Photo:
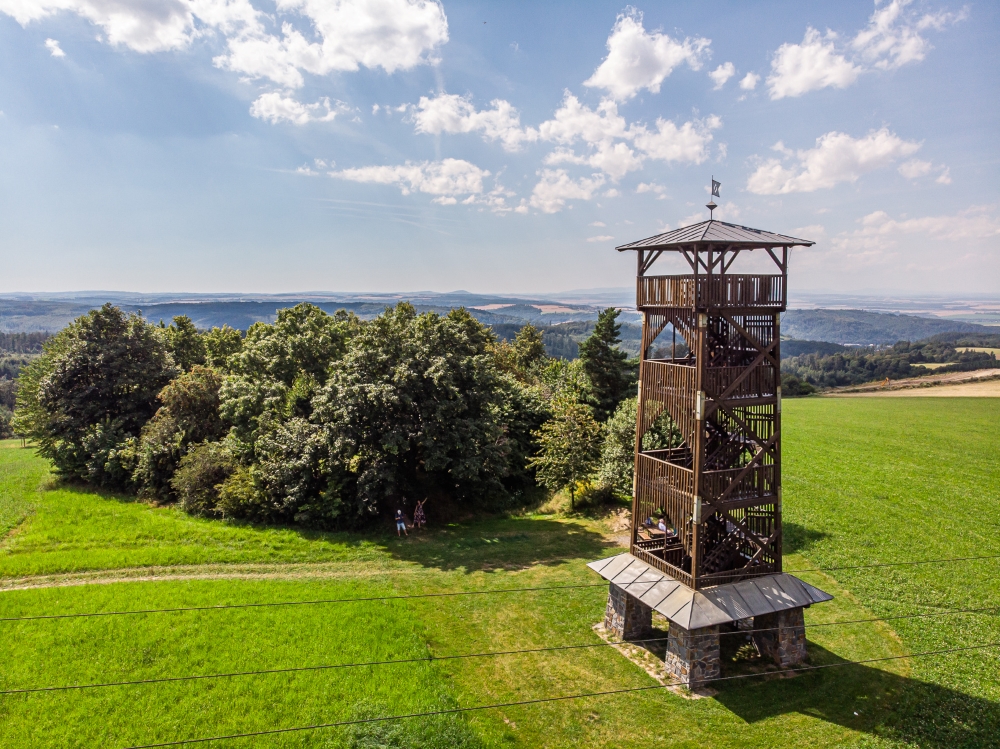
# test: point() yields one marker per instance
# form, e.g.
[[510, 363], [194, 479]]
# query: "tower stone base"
[[692, 656], [781, 636], [626, 616]]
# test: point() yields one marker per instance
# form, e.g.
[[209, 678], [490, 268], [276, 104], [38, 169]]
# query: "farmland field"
[[867, 480]]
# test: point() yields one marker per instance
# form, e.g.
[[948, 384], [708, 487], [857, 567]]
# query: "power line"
[[541, 700], [892, 564], [460, 656], [220, 607], [297, 603]]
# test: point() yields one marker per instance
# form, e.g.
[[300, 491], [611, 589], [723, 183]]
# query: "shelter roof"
[[720, 604], [715, 232]]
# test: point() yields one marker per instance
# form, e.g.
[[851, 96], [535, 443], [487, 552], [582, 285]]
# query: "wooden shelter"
[[716, 488]]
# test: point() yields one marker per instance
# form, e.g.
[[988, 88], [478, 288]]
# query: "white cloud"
[[687, 143], [599, 128], [142, 25], [52, 45], [836, 158], [722, 74], [639, 60], [915, 168], [892, 38], [450, 113], [600, 238], [574, 120], [799, 68], [612, 193], [880, 232], [275, 107], [749, 82], [556, 187], [945, 177], [446, 179], [388, 34], [659, 190], [597, 223], [614, 160]]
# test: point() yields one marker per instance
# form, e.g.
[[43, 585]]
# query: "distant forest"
[[853, 366], [862, 328]]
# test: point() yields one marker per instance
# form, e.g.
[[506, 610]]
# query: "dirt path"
[[290, 571]]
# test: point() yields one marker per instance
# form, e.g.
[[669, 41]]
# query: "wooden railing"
[[712, 291], [662, 486], [757, 484], [761, 382]]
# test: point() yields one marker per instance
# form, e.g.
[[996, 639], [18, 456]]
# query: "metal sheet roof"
[[719, 604], [715, 232]]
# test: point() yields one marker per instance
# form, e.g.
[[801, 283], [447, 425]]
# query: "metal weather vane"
[[711, 206]]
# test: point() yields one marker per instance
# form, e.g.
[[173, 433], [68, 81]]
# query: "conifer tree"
[[612, 378]]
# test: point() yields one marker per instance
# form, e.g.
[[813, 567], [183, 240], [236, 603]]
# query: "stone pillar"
[[781, 636], [692, 656], [626, 616]]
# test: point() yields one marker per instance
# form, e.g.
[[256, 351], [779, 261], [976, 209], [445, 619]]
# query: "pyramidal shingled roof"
[[715, 232], [720, 604]]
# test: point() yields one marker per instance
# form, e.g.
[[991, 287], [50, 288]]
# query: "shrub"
[[793, 387], [200, 476], [189, 414]]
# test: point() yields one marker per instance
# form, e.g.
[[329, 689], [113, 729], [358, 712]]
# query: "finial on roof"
[[710, 205]]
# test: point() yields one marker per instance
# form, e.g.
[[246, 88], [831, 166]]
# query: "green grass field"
[[866, 480]]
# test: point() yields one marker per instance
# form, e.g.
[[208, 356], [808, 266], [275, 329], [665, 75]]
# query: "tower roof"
[[715, 232]]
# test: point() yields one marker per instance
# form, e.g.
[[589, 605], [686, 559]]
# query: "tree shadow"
[[498, 544], [865, 698], [797, 538]]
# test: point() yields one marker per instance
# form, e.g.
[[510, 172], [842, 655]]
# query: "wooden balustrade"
[[760, 382], [735, 290], [664, 486], [757, 484]]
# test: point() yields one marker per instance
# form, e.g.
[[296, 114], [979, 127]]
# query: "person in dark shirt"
[[401, 523]]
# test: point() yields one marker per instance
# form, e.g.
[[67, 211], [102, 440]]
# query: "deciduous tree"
[[569, 446]]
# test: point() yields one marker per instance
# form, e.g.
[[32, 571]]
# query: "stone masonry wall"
[[627, 617], [692, 656], [781, 636]]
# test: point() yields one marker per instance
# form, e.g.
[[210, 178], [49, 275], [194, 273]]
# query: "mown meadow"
[[866, 481]]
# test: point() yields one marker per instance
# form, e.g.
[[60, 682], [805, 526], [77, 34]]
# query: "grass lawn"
[[866, 480]]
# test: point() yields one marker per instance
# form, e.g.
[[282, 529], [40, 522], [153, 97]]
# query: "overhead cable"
[[540, 700], [432, 658]]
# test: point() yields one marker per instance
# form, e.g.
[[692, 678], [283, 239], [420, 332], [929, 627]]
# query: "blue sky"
[[241, 145]]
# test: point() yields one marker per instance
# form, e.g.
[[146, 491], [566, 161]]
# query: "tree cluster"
[[860, 365], [316, 419]]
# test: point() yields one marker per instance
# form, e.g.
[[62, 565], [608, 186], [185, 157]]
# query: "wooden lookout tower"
[[705, 546]]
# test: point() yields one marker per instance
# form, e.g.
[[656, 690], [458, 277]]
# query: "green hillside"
[[866, 481]]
